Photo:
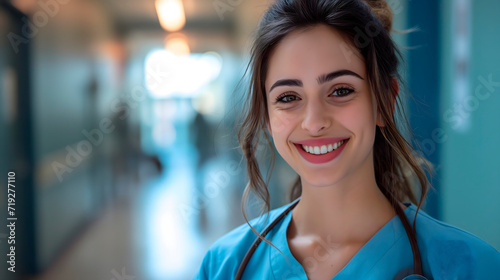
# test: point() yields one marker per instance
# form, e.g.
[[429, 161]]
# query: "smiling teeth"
[[321, 150]]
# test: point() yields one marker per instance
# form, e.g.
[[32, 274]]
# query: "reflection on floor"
[[160, 230], [105, 248]]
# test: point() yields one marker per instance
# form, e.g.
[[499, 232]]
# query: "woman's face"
[[322, 113]]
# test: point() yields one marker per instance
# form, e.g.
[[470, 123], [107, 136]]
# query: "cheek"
[[350, 118], [360, 119], [281, 123]]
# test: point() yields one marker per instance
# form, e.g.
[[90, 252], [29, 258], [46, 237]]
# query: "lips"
[[321, 150]]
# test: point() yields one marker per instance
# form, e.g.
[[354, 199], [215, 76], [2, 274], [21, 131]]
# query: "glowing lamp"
[[171, 14], [177, 44]]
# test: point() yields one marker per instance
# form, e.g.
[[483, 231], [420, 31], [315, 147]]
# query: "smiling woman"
[[322, 109], [327, 100]]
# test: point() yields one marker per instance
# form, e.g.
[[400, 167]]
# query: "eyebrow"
[[335, 74], [321, 79]]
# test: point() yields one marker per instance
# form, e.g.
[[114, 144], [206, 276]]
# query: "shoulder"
[[226, 253], [445, 248]]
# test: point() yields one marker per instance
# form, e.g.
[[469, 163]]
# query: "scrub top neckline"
[[368, 256]]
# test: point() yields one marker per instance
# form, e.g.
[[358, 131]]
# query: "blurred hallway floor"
[[103, 249], [140, 236]]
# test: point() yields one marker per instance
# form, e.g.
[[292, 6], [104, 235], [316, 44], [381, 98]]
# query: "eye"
[[286, 98], [342, 91]]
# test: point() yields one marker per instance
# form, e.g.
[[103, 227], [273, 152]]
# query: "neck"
[[350, 211]]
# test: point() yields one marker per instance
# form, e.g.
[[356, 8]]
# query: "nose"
[[316, 118]]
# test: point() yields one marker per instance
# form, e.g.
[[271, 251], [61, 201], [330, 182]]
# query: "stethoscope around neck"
[[417, 263]]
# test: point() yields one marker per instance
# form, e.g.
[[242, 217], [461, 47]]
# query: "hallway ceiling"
[[141, 14]]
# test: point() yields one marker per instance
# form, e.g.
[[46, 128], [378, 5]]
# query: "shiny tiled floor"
[[102, 249], [158, 230]]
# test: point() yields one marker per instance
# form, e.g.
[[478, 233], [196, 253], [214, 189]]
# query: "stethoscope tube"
[[410, 232], [257, 241], [412, 237]]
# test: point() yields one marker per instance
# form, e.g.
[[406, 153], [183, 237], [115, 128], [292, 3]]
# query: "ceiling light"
[[177, 44], [171, 14]]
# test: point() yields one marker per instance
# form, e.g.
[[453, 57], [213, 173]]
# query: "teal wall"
[[423, 79], [470, 182]]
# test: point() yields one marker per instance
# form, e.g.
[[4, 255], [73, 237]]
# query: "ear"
[[380, 121], [393, 96]]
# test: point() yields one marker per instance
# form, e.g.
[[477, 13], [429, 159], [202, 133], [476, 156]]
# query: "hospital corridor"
[[119, 154]]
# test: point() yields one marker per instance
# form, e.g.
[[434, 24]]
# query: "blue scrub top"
[[446, 252]]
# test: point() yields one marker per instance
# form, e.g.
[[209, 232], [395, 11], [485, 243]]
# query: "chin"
[[320, 181]]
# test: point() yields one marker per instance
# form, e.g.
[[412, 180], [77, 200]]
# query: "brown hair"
[[383, 12], [398, 167]]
